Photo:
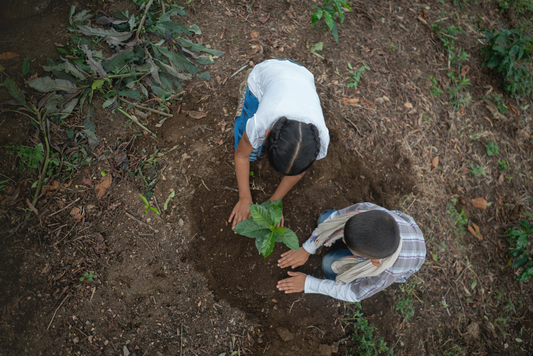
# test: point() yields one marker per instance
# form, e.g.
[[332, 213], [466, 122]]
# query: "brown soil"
[[184, 283]]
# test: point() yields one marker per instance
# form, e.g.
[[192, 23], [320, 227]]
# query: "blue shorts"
[[249, 109]]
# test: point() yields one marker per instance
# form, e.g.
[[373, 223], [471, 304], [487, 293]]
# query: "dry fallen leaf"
[[465, 70], [408, 105], [479, 203], [254, 35], [102, 186], [475, 231], [100, 245], [87, 181], [264, 18], [76, 214], [435, 162], [350, 101], [8, 55], [197, 114]]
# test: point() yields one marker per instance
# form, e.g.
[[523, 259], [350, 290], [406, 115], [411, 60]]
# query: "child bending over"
[[281, 110], [378, 247]]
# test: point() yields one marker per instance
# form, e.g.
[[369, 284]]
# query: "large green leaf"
[[111, 36], [268, 244], [276, 213], [261, 216], [118, 61], [96, 65], [180, 61], [47, 84], [250, 228], [259, 243], [172, 70], [66, 67], [198, 47], [13, 90], [290, 239]]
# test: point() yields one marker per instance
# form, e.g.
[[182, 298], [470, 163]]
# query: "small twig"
[[157, 204], [238, 71], [134, 119], [60, 210], [146, 108], [92, 295], [53, 316], [139, 221], [297, 300]]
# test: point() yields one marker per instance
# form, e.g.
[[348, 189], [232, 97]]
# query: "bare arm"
[[286, 184], [241, 211]]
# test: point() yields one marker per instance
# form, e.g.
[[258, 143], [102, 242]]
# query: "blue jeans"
[[332, 256], [249, 108]]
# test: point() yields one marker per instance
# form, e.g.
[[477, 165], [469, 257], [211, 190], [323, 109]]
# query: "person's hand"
[[240, 212], [281, 222], [293, 258], [294, 284]]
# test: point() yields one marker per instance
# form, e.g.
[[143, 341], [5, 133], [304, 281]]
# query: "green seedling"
[[503, 53], [263, 227], [29, 157], [363, 336], [405, 306], [459, 219], [491, 148], [319, 46], [477, 171], [328, 12], [87, 276], [503, 165], [170, 196], [392, 47], [518, 239], [148, 206], [435, 90], [356, 74]]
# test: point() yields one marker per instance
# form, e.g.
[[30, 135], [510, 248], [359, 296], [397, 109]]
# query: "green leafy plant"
[[87, 276], [29, 157], [262, 227], [148, 206], [405, 306], [503, 53], [459, 219], [518, 239], [328, 12], [363, 335], [477, 171], [491, 148], [356, 75], [503, 165], [435, 90]]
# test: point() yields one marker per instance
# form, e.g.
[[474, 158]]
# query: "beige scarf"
[[349, 269]]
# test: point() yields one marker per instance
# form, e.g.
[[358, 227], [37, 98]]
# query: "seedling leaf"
[[170, 196], [261, 216], [290, 239], [268, 244], [251, 229]]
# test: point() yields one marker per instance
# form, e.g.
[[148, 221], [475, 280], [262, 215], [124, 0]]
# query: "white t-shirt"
[[285, 89]]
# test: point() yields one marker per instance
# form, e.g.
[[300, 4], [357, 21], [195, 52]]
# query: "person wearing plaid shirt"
[[378, 247]]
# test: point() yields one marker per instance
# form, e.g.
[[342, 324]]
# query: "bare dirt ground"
[[184, 283]]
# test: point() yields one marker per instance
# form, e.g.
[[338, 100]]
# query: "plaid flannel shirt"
[[409, 261]]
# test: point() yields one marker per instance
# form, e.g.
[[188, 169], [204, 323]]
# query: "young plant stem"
[[146, 108], [136, 121], [141, 24]]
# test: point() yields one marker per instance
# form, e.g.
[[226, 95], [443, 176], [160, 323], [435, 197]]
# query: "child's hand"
[[294, 284], [240, 212], [293, 258]]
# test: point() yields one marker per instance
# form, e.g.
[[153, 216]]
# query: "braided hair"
[[292, 146]]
